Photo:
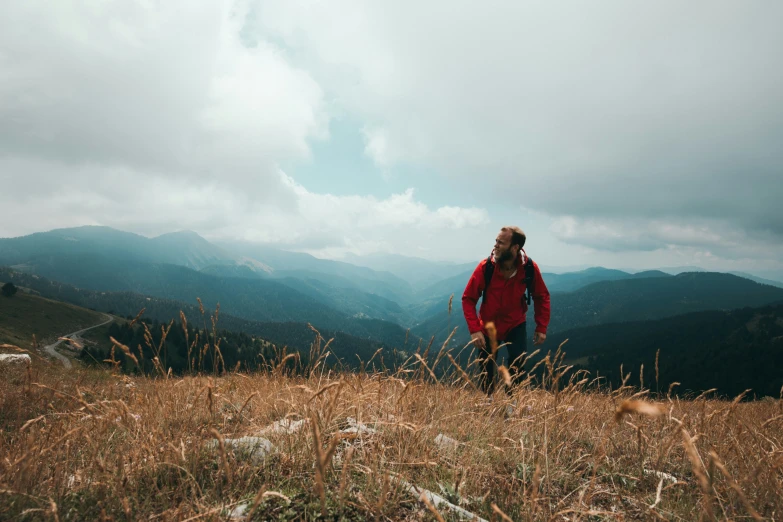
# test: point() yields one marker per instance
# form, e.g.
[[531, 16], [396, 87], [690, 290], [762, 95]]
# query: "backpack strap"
[[489, 268], [530, 277]]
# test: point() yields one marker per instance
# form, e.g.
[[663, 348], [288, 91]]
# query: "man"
[[504, 304]]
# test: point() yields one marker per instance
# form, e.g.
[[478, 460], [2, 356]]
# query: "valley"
[[283, 298]]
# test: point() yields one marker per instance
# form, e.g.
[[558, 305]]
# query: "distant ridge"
[[730, 350], [629, 299]]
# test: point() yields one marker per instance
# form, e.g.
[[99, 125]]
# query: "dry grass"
[[91, 445]]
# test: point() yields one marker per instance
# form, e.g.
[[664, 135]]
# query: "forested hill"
[[257, 300], [729, 350], [179, 248], [253, 299], [265, 349], [652, 298], [98, 258], [371, 334]]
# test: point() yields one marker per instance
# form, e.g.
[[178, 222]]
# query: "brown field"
[[92, 445]]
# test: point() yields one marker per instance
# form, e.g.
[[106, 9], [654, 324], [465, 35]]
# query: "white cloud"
[[376, 146], [653, 110], [167, 89], [333, 225], [323, 224], [635, 126], [158, 117], [368, 212], [636, 235]]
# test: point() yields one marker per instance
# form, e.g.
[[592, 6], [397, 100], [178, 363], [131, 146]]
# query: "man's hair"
[[517, 236]]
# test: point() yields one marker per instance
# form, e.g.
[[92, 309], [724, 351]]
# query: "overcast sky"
[[629, 134]]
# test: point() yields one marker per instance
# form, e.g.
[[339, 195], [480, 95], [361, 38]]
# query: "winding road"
[[50, 349]]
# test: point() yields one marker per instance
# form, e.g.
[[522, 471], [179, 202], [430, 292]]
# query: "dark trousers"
[[517, 339]]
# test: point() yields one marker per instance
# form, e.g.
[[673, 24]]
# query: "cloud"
[[646, 110], [707, 239], [158, 117], [326, 223], [634, 235], [631, 126], [151, 204], [377, 147], [168, 89]]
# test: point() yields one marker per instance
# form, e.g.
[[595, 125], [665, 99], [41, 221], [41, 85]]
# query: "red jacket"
[[505, 303]]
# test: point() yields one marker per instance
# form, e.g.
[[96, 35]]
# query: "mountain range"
[[633, 298], [400, 303], [369, 334], [386, 299]]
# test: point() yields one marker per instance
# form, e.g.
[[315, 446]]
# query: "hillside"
[[97, 257], [651, 273], [420, 273], [288, 264], [382, 289], [241, 271], [179, 248], [431, 298], [654, 298], [729, 350], [762, 280], [572, 281], [353, 302], [368, 337], [251, 299], [89, 445], [24, 315], [335, 292]]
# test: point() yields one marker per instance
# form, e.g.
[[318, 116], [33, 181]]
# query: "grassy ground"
[[23, 315], [87, 444]]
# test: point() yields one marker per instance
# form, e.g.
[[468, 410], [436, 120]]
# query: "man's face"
[[503, 250]]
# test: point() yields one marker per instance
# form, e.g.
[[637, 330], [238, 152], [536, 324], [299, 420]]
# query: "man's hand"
[[479, 341], [539, 338]]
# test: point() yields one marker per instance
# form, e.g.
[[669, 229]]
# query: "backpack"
[[489, 268]]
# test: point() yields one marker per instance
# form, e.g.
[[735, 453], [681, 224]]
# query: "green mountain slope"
[[353, 302], [757, 279], [360, 333], [420, 273], [654, 298], [287, 264], [252, 299], [572, 281], [180, 248], [25, 315], [730, 350], [430, 298], [87, 256]]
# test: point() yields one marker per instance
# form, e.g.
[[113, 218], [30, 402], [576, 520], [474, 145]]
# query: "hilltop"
[[90, 444], [301, 437]]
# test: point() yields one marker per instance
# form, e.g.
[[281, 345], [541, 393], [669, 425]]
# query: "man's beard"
[[504, 256]]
